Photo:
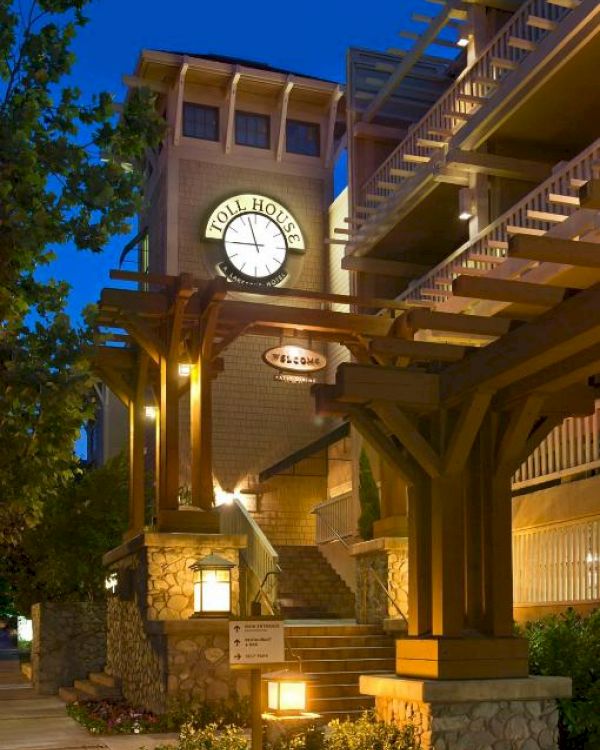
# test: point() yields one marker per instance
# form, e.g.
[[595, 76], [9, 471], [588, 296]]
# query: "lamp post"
[[286, 692], [212, 586]]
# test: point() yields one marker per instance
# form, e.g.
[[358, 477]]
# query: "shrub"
[[368, 495], [569, 645], [210, 737]]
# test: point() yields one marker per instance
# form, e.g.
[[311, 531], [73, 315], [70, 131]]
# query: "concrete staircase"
[[333, 656], [309, 588], [99, 686]]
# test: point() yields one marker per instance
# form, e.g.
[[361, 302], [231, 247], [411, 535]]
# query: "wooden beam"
[[418, 320], [145, 336], [137, 429], [179, 92], [410, 60], [416, 351], [409, 436], [465, 431], [498, 166], [283, 108], [116, 382], [330, 136], [508, 290], [182, 296], [138, 303], [375, 132], [555, 250], [379, 267], [411, 389], [564, 331], [135, 82], [231, 97], [520, 424], [511, 6]]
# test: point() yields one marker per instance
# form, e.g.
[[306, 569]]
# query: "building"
[[453, 160]]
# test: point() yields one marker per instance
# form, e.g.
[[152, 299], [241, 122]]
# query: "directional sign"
[[256, 642]]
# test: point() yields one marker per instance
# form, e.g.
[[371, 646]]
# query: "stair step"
[[335, 690], [333, 641], [106, 680], [343, 677], [343, 704], [95, 691], [353, 629], [349, 665], [352, 715], [340, 653], [68, 694]]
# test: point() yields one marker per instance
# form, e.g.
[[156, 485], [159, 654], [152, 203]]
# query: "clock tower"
[[241, 188]]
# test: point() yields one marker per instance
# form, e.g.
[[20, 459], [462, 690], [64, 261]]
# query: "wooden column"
[[201, 434], [168, 448], [137, 430], [419, 560]]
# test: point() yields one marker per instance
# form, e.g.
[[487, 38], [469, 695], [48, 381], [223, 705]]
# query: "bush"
[[211, 737], [368, 495], [568, 645]]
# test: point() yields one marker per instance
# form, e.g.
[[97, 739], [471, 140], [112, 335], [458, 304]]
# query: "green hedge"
[[568, 645]]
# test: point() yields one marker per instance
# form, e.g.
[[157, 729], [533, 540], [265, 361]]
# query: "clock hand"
[[235, 242], [253, 236]]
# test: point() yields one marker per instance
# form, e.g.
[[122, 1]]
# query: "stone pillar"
[[153, 647], [384, 560], [506, 714]]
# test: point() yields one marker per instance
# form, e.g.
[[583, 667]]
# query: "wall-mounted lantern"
[[185, 369], [286, 692], [212, 586], [150, 413]]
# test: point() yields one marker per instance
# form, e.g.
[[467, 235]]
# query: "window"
[[303, 138], [252, 130], [200, 121]]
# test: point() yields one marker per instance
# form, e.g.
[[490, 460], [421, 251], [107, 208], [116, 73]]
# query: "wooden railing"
[[557, 564], [337, 519], [260, 557], [557, 196], [571, 448], [469, 93]]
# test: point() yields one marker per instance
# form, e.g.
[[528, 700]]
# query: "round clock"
[[255, 245]]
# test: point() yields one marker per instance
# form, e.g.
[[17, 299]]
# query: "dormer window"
[[200, 121], [252, 130]]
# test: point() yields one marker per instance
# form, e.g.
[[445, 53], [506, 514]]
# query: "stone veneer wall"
[[155, 650], [388, 558], [489, 725], [69, 641]]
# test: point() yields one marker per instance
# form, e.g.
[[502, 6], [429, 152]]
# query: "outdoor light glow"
[[465, 215], [286, 692], [150, 412], [463, 41], [110, 582], [185, 369], [223, 497], [213, 592], [24, 629]]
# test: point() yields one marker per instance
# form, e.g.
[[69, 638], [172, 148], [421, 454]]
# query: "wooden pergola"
[[454, 402]]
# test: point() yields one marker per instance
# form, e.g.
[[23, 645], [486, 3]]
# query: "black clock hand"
[[237, 242], [253, 237]]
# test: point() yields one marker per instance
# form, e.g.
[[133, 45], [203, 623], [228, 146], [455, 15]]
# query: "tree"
[[61, 558], [69, 172]]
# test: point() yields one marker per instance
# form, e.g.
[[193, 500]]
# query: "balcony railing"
[[337, 519], [549, 204], [520, 36]]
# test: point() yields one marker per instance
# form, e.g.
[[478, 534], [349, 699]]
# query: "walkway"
[[34, 722]]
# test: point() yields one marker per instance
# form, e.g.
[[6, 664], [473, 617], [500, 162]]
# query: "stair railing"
[[375, 575], [259, 556]]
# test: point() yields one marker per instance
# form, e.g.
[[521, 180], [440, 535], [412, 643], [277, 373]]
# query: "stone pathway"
[[35, 722]]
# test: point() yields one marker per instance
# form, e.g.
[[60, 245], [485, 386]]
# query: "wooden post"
[[169, 434], [419, 560], [201, 434], [256, 709], [137, 429]]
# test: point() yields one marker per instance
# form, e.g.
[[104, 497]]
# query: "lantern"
[[212, 586], [286, 692], [150, 412], [185, 369]]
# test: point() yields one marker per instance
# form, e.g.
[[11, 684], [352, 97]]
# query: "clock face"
[[255, 245]]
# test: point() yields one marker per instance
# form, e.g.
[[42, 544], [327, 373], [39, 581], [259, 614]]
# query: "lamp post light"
[[286, 693], [212, 586]]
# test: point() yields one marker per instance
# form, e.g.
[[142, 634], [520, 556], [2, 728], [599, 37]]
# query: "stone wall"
[[386, 559], [69, 641], [155, 650], [503, 714]]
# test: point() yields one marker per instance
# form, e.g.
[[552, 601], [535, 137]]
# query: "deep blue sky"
[[311, 36]]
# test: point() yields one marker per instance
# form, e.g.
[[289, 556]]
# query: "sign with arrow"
[[256, 642]]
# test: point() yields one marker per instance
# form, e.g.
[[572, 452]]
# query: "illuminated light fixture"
[[151, 413], [466, 204], [185, 369], [286, 692], [224, 497], [110, 582], [462, 41], [212, 586]]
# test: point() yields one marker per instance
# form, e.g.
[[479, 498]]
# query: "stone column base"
[[504, 714]]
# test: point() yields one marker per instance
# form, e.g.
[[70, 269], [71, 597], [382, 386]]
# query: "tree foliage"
[[61, 558], [70, 172]]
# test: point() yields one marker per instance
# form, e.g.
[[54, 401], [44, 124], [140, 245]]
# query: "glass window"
[[303, 138], [252, 130], [200, 121]]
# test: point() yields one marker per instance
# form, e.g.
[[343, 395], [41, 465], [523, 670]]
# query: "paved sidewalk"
[[35, 722]]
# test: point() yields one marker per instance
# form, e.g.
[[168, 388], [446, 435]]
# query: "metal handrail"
[[372, 570]]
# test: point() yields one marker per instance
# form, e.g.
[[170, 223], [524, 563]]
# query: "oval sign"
[[292, 358]]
